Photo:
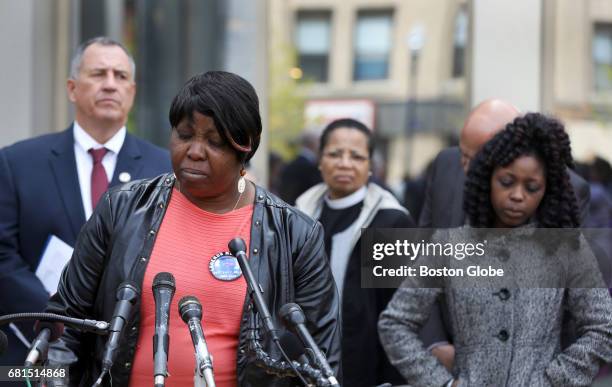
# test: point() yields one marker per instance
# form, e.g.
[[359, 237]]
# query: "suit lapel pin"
[[124, 177]]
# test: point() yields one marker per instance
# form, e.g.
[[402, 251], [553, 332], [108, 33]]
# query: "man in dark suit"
[[443, 207], [303, 172], [49, 185]]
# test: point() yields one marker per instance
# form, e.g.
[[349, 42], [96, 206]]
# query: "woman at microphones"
[[180, 224]]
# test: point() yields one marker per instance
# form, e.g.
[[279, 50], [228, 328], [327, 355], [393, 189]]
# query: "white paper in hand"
[[54, 258]]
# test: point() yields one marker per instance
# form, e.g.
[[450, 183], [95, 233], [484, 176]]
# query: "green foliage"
[[602, 110], [286, 103]]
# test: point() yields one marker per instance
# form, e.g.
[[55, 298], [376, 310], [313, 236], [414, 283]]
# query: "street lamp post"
[[415, 41]]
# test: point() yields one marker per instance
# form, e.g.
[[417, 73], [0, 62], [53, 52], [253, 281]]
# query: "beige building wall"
[[506, 52], [34, 38], [572, 52], [437, 17], [574, 99]]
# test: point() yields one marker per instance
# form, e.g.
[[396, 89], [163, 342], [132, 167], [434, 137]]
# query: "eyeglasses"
[[340, 155]]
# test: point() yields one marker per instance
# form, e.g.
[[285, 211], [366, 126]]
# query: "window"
[[372, 43], [312, 38], [602, 57], [459, 43]]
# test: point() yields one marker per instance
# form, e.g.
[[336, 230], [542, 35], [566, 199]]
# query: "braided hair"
[[531, 135]]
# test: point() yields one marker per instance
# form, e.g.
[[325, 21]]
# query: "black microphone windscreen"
[[236, 245], [292, 313], [3, 342], [128, 291], [189, 307], [56, 328], [164, 279]]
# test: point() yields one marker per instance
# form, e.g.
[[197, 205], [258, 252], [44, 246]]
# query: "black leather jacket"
[[286, 254]]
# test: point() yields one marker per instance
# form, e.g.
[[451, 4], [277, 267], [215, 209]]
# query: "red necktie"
[[99, 180]]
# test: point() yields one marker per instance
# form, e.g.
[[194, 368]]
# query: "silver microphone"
[[163, 291], [190, 310]]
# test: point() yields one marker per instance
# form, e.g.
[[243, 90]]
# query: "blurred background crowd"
[[409, 69]]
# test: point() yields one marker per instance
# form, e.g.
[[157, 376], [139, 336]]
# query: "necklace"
[[235, 204], [224, 266], [238, 201]]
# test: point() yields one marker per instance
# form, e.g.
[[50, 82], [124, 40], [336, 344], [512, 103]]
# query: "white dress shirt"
[[84, 163]]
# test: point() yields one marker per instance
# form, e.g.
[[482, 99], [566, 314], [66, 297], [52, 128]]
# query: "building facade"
[[417, 62], [578, 76]]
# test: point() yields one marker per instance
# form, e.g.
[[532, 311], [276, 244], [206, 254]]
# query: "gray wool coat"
[[508, 335]]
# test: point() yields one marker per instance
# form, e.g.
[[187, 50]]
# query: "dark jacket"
[[297, 176], [286, 255], [40, 196]]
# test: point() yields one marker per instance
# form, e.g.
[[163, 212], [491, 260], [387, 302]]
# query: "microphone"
[[127, 294], [93, 326], [237, 247], [3, 342], [47, 332], [163, 291], [190, 310], [294, 319]]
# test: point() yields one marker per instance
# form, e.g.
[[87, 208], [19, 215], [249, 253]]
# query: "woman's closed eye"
[[506, 181], [184, 134], [533, 187], [217, 143]]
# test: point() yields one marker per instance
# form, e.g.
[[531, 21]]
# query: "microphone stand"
[[97, 327], [281, 368], [202, 366], [198, 376]]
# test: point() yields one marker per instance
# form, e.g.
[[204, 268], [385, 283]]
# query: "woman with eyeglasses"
[[345, 203]]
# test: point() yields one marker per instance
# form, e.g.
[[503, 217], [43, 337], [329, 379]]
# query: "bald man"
[[483, 122], [443, 206]]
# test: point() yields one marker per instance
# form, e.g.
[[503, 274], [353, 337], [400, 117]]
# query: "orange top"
[[187, 240]]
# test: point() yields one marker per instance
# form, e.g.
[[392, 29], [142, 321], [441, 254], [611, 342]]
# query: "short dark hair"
[[232, 103], [346, 123], [531, 135], [75, 63]]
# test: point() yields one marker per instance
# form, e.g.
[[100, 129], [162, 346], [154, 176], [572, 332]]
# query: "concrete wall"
[[572, 96], [246, 54], [34, 40], [506, 52]]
